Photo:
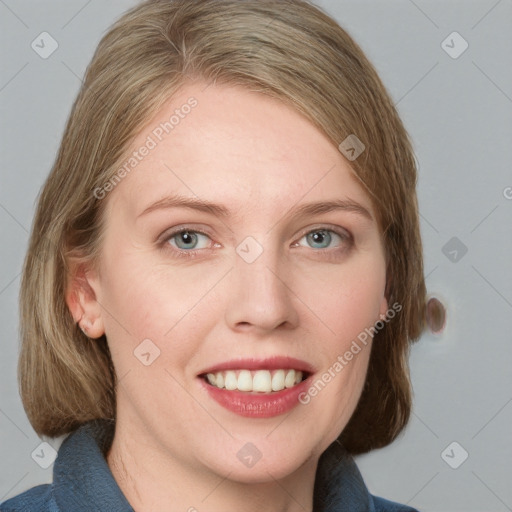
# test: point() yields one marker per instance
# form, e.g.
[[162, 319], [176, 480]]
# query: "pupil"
[[187, 237], [320, 237]]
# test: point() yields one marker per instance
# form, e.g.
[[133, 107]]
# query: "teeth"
[[244, 381], [278, 380], [230, 381], [262, 381], [289, 380]]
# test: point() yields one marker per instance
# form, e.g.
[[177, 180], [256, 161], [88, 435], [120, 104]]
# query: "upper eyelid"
[[171, 232], [319, 227], [326, 227]]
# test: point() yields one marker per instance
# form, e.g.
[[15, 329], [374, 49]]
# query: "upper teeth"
[[263, 381]]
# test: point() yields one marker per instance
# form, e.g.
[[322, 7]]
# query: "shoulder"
[[37, 499], [383, 505]]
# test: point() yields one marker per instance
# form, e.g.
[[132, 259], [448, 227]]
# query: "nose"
[[261, 298]]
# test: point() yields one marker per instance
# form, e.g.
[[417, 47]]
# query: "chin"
[[262, 461]]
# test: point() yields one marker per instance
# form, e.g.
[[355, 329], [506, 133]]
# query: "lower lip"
[[257, 405]]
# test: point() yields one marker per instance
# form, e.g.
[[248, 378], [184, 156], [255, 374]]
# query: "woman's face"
[[281, 267]]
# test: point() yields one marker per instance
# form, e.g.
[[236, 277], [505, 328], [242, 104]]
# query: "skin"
[[174, 447]]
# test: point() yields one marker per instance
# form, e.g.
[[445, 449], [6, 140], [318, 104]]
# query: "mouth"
[[257, 388], [256, 381]]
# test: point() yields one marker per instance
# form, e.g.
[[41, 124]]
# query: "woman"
[[225, 270]]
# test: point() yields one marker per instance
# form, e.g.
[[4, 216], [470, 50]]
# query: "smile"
[[259, 381], [257, 388]]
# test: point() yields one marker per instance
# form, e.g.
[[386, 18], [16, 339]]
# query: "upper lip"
[[270, 363]]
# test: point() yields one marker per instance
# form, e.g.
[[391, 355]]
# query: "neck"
[[152, 480]]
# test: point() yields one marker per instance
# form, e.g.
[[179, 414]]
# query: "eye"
[[188, 239], [324, 238]]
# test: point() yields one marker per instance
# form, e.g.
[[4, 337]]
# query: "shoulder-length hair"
[[286, 49]]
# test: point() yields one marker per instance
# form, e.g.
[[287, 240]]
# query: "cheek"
[[145, 299], [346, 308], [345, 299]]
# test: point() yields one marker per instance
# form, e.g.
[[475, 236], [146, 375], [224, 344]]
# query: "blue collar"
[[82, 480]]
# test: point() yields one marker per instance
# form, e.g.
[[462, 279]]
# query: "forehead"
[[229, 145]]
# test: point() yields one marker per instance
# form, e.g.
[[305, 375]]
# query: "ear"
[[81, 299], [383, 307]]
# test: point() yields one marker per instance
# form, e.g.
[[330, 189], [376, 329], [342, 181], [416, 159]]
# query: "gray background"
[[458, 111]]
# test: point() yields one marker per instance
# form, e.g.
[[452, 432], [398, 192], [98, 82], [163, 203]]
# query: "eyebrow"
[[314, 208]]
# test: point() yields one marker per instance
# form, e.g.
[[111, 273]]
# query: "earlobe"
[[81, 299]]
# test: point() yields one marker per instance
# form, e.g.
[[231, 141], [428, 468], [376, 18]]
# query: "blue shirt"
[[83, 482]]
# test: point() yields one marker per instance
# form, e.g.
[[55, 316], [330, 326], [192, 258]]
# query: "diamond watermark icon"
[[44, 45], [454, 249], [249, 455], [146, 352], [44, 455], [351, 147], [454, 455], [249, 249], [454, 45]]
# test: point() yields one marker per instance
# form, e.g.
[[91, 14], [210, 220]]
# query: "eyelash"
[[346, 238]]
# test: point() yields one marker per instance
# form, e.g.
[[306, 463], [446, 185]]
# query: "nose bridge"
[[260, 296]]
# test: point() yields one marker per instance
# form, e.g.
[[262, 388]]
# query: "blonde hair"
[[287, 49]]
